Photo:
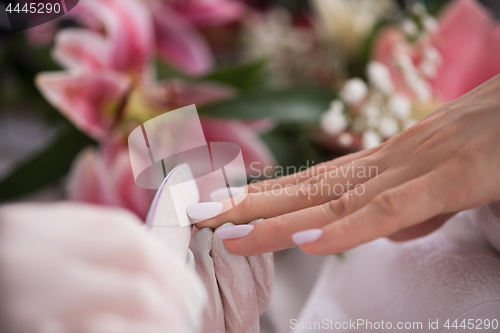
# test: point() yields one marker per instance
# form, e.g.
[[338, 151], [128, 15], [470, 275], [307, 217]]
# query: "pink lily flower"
[[88, 101], [471, 48], [469, 44], [108, 89], [175, 25], [177, 39], [103, 177]]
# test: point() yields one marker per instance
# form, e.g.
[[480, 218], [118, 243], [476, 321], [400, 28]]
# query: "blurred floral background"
[[293, 83]]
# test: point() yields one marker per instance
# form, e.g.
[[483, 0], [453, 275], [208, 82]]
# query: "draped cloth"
[[238, 288], [453, 273]]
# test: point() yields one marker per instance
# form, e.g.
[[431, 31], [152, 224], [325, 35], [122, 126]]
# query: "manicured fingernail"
[[223, 193], [255, 221], [307, 236], [202, 211], [233, 232]]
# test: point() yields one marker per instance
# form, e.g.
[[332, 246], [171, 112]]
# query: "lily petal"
[[210, 12], [179, 43], [90, 101], [174, 94], [471, 48], [130, 30], [261, 126], [256, 154], [107, 180], [86, 179], [81, 49], [130, 195]]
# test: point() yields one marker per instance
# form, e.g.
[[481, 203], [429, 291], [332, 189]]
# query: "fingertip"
[[322, 241], [239, 247], [315, 249], [307, 236], [252, 244]]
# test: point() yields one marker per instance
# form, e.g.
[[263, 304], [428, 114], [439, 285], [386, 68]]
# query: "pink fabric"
[[70, 267], [449, 274], [488, 221], [239, 288]]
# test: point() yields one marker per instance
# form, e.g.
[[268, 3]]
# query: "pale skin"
[[446, 163]]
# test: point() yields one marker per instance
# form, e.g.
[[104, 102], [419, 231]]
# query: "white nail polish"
[[255, 221], [307, 236], [202, 211], [223, 193], [233, 232]]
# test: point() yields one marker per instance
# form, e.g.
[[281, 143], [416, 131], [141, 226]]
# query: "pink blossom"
[[471, 48], [179, 43], [128, 27], [109, 89], [135, 25], [209, 12], [255, 153], [100, 177], [104, 176], [468, 40], [89, 101]]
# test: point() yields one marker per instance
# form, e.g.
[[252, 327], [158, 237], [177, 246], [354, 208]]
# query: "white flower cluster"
[[377, 110], [372, 110], [419, 28], [292, 53]]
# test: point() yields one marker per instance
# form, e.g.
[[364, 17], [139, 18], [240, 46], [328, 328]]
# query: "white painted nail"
[[255, 221], [202, 211], [232, 232], [223, 193], [307, 236]]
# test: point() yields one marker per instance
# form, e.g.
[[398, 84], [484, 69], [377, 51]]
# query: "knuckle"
[[339, 207], [309, 192], [246, 204], [279, 226], [468, 154], [387, 203], [236, 214], [319, 169]]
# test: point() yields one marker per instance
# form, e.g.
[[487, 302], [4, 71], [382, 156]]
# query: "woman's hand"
[[411, 185], [81, 268]]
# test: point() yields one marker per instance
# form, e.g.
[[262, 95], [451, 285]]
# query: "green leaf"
[[46, 167], [286, 106], [244, 77], [164, 71]]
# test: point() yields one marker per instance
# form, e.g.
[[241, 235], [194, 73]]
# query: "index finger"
[[316, 190]]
